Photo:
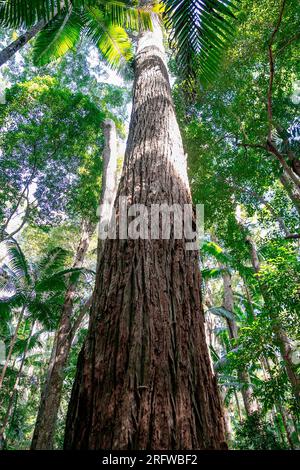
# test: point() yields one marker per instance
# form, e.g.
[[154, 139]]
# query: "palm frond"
[[25, 13], [54, 260], [213, 273], [59, 281], [213, 249], [43, 312], [124, 14], [57, 38], [7, 305], [200, 31], [18, 262], [111, 39], [29, 343]]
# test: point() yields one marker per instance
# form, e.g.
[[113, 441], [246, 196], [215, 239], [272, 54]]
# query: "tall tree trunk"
[[43, 435], [9, 51], [280, 335], [143, 377], [228, 301]]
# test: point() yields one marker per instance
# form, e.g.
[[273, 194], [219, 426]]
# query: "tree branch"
[[292, 39], [272, 68]]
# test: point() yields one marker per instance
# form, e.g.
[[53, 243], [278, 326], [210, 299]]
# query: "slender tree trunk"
[[278, 424], [43, 435], [109, 179], [286, 425], [143, 377], [238, 406], [228, 301], [281, 337], [211, 323], [11, 347], [227, 418], [9, 51]]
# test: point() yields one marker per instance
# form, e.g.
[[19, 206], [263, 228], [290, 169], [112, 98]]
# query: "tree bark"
[[43, 436], [9, 51], [143, 378], [286, 168]]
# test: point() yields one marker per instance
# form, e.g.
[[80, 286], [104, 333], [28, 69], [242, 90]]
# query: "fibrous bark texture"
[[144, 379]]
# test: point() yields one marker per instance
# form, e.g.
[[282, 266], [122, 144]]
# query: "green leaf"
[[57, 38], [111, 39], [60, 280], [52, 261], [212, 273], [7, 305], [200, 32], [18, 263], [25, 13]]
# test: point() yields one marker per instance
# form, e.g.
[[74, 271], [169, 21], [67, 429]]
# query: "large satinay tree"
[[144, 378]]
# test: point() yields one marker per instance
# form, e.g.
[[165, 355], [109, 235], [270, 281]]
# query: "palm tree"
[[144, 378], [32, 293], [58, 25], [35, 290]]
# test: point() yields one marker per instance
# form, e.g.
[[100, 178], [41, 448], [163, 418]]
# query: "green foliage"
[[111, 39], [256, 434], [51, 143], [51, 128], [38, 288], [103, 22]]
